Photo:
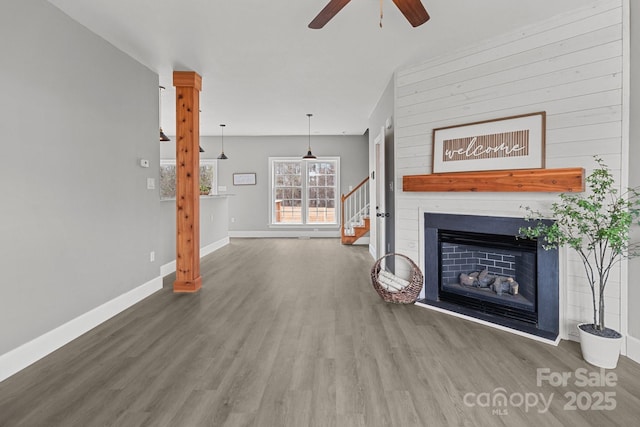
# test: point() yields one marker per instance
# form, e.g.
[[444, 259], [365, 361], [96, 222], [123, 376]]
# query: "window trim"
[[304, 211]]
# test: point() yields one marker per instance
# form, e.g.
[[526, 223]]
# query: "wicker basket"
[[407, 295]]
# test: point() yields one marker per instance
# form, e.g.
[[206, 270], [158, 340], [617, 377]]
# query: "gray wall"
[[213, 226], [634, 155], [77, 222], [213, 213], [249, 205], [379, 117]]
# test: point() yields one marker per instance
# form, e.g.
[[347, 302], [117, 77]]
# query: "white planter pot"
[[599, 351]]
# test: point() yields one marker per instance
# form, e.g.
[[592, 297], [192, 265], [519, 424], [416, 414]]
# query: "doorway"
[[380, 194], [384, 192]]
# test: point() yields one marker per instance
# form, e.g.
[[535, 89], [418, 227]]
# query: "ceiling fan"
[[413, 10]]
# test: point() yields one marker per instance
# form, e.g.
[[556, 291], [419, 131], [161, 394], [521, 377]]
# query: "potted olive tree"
[[596, 224]]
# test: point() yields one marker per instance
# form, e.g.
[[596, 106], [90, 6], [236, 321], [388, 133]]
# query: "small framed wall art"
[[244, 178], [516, 142]]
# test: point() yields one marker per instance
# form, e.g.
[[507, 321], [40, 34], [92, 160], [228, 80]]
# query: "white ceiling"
[[263, 70]]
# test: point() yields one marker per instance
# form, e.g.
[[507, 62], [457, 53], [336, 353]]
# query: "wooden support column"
[[188, 85]]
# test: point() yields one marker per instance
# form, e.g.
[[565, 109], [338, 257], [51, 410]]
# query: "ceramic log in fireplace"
[[469, 246]]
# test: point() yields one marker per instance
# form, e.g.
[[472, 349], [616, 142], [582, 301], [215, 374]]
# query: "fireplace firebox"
[[478, 267]]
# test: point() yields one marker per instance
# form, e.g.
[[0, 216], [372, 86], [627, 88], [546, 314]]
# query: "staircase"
[[355, 213]]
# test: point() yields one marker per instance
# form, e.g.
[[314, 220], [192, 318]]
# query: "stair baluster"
[[355, 213]]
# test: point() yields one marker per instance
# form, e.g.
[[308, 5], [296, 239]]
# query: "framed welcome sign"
[[515, 142]]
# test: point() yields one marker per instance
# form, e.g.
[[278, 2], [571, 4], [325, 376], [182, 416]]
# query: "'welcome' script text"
[[499, 145]]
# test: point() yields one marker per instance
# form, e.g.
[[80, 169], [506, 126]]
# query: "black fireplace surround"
[[460, 244]]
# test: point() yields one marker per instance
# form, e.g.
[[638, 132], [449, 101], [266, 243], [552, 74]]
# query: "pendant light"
[[163, 137], [222, 156], [200, 146], [309, 154]]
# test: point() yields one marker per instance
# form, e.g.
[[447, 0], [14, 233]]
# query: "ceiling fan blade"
[[413, 10], [329, 11]]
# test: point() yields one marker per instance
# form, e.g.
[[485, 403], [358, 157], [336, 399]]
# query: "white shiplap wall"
[[569, 66]]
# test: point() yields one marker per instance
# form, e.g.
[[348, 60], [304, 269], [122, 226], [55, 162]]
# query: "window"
[[304, 191], [208, 178], [321, 192], [287, 190]]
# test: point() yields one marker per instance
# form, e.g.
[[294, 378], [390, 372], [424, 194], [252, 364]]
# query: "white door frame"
[[379, 181]]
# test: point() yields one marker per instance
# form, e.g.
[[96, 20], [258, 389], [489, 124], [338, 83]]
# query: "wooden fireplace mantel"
[[564, 180]]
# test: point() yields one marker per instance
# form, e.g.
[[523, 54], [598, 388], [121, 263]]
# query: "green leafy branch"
[[595, 224]]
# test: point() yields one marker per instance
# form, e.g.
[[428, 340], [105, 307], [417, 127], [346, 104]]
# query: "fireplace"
[[476, 266]]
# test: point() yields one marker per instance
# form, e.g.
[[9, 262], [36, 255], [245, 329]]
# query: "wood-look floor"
[[289, 332]]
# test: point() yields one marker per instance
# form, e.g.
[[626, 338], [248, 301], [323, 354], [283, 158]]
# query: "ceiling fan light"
[[413, 10]]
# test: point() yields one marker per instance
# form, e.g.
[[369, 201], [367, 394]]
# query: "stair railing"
[[354, 208]]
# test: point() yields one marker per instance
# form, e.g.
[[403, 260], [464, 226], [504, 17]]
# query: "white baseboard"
[[633, 348], [23, 356], [170, 267], [285, 233], [209, 249], [364, 241]]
